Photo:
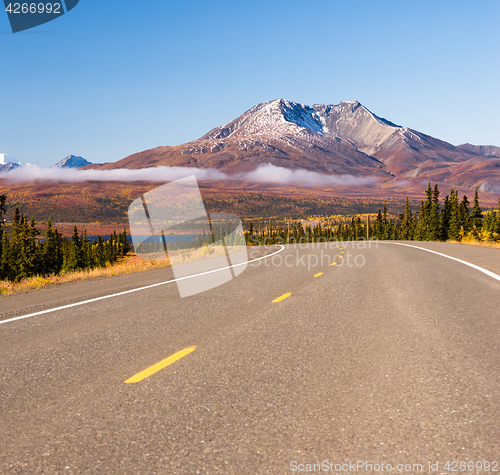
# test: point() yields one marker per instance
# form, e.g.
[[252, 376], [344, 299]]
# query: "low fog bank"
[[263, 174]]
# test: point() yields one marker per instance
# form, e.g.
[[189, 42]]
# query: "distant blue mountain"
[[6, 164], [72, 161]]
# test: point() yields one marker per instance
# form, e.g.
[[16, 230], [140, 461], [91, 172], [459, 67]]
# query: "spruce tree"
[[11, 258], [476, 216], [52, 262], [3, 210], [496, 226], [406, 223], [35, 249], [88, 261], [378, 225], [23, 261], [434, 231], [5, 270], [75, 261], [455, 218], [445, 219], [385, 224], [489, 222], [464, 213], [424, 222], [99, 252]]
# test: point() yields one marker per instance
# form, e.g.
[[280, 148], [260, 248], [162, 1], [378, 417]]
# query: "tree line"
[[26, 255], [454, 219]]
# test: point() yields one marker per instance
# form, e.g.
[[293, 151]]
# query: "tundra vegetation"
[[25, 254]]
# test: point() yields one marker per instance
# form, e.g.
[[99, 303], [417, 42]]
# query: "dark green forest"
[[26, 255], [455, 219]]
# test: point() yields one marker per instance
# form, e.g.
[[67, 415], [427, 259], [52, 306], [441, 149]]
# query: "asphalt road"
[[390, 356]]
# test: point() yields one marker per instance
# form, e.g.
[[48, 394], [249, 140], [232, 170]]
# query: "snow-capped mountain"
[[72, 161], [345, 138], [7, 164]]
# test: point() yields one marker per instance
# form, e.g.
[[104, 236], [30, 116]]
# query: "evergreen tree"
[[52, 251], [496, 226], [378, 226], [489, 222], [22, 261], [33, 249], [11, 258], [87, 257], [99, 252], [75, 260], [5, 270], [455, 217], [422, 230], [434, 231], [445, 219], [3, 210], [464, 213], [476, 216], [385, 231], [407, 223]]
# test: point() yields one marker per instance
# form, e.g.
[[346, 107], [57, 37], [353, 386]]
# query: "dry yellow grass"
[[495, 245], [127, 265]]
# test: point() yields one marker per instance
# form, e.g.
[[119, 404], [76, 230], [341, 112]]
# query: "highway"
[[391, 355]]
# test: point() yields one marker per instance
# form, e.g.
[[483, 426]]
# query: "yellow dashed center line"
[[283, 297], [162, 364], [318, 274]]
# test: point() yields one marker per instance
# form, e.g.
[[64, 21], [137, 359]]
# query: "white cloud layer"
[[263, 174]]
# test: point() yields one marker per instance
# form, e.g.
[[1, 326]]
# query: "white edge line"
[[480, 269], [135, 290]]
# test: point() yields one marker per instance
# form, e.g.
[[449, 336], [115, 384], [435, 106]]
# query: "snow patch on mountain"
[[7, 164], [72, 161]]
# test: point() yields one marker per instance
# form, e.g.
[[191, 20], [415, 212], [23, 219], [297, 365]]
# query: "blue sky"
[[115, 77]]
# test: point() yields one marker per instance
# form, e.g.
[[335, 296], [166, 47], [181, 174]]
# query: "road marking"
[[283, 297], [480, 269], [341, 252], [63, 307], [318, 274], [160, 365]]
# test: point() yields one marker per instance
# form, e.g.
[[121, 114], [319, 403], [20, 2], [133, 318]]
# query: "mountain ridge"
[[7, 164], [72, 161], [344, 138]]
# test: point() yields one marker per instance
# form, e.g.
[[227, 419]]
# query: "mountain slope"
[[72, 161], [483, 150], [346, 138], [6, 165], [283, 133]]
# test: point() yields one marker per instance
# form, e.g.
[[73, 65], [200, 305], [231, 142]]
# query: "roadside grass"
[[131, 264], [471, 242], [126, 265]]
